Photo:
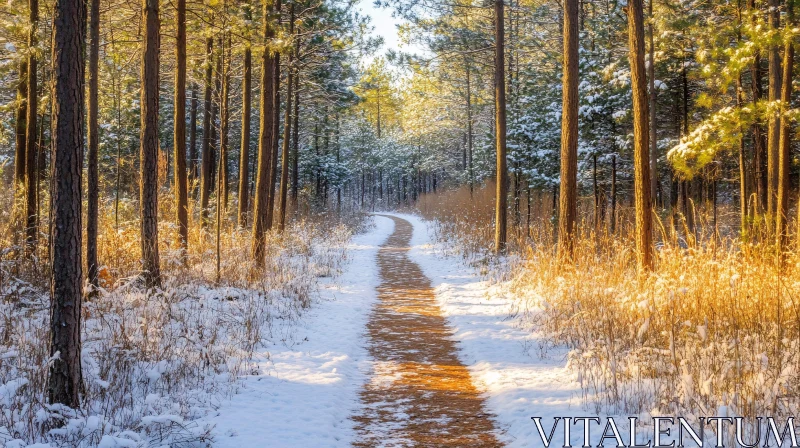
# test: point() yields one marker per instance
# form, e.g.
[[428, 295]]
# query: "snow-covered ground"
[[306, 386]]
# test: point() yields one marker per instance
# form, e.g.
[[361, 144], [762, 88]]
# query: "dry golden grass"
[[716, 324]]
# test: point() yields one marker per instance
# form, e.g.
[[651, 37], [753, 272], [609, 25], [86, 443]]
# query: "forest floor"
[[408, 347]]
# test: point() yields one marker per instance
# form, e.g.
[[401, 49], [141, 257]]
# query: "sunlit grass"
[[714, 328]]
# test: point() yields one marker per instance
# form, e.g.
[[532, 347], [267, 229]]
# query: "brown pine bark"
[[19, 127], [774, 123], [287, 128], [641, 177], [267, 115], [651, 75], [66, 290], [179, 132], [568, 200], [296, 128], [206, 163], [31, 131], [501, 194], [244, 149], [276, 105], [223, 186], [785, 147], [193, 173], [93, 177], [148, 186], [759, 143]]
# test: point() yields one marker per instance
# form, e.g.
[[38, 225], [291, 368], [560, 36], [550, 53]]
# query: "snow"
[[307, 386]]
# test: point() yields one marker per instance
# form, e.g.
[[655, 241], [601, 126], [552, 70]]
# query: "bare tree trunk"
[[244, 149], [206, 155], [93, 177], [223, 186], [568, 204], [149, 145], [31, 230], [193, 138], [613, 217], [273, 168], [179, 138], [641, 182], [759, 144], [501, 196], [267, 115], [774, 123], [651, 75], [20, 128], [66, 289], [296, 133], [785, 147], [287, 128]]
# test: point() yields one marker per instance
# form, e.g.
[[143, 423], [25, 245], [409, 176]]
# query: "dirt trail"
[[420, 394]]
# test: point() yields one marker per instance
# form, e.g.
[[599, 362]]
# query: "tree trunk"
[[641, 183], [222, 185], [31, 231], [296, 136], [193, 139], [568, 206], [206, 162], [267, 115], [93, 179], [785, 147], [651, 75], [759, 144], [287, 128], [244, 149], [20, 128], [179, 138], [613, 217], [276, 92], [64, 383], [774, 123], [149, 145], [501, 196]]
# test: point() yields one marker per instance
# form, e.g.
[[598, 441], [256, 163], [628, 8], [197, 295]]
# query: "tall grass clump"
[[155, 360], [713, 330]]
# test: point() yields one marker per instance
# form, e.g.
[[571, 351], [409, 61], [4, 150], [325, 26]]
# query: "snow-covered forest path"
[[407, 347], [420, 393]]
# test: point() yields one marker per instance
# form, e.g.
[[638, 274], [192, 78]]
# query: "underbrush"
[[156, 361], [713, 330]]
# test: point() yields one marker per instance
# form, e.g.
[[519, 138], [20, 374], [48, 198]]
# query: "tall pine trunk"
[[31, 130], [20, 128], [276, 104], [501, 194], [244, 149], [193, 138], [179, 138], [149, 145], [66, 290], [267, 115], [287, 128], [296, 128], [651, 75], [774, 123], [223, 186], [93, 178], [785, 147], [206, 162], [641, 167], [568, 201]]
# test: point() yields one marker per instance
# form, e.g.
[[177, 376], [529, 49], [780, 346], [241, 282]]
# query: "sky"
[[385, 25]]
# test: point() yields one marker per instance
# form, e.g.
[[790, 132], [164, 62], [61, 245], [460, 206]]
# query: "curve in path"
[[420, 393]]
